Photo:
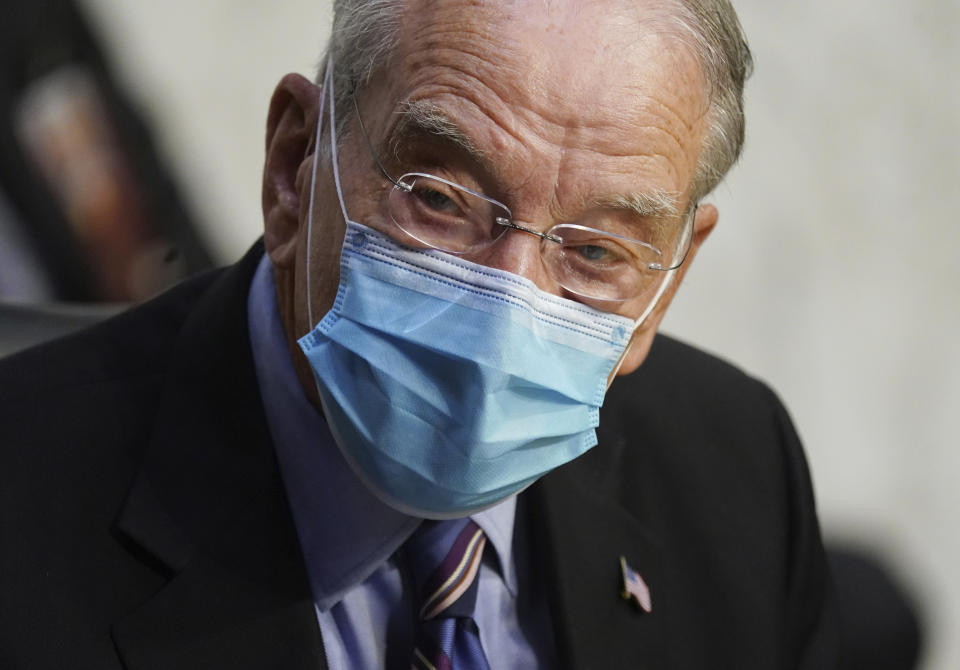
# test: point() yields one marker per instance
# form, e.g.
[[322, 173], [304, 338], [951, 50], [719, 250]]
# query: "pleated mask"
[[448, 385]]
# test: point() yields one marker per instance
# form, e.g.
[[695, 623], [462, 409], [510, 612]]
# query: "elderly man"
[[377, 440]]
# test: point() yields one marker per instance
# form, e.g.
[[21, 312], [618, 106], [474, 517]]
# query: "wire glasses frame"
[[587, 261]]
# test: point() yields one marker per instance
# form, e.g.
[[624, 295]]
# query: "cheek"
[[643, 337]]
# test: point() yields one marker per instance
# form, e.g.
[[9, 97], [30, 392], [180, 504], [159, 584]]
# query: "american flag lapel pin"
[[634, 587]]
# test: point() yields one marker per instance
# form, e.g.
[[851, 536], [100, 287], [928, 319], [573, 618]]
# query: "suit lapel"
[[581, 533], [208, 618], [209, 508]]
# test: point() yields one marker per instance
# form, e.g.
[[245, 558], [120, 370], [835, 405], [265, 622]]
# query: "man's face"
[[559, 109]]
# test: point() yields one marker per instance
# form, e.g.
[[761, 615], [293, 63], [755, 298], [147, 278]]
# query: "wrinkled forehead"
[[570, 61]]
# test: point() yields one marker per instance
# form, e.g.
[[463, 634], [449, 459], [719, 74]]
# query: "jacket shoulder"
[[75, 412], [701, 463], [77, 418], [134, 343], [682, 383]]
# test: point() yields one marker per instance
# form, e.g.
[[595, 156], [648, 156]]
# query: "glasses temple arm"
[[373, 152]]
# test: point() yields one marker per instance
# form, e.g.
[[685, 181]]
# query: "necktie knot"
[[445, 558]]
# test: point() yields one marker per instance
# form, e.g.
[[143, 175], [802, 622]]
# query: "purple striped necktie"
[[445, 559]]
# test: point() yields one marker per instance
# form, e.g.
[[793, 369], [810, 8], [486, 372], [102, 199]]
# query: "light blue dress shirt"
[[350, 538]]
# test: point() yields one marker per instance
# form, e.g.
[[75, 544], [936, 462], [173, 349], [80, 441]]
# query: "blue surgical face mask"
[[449, 385]]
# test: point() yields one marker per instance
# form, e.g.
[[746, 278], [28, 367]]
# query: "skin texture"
[[569, 103]]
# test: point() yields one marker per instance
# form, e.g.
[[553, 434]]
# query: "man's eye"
[[436, 200], [593, 253]]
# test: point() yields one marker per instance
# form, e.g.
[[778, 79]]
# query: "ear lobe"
[[703, 225], [291, 123]]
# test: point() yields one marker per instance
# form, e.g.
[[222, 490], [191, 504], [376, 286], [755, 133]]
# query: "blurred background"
[[130, 155]]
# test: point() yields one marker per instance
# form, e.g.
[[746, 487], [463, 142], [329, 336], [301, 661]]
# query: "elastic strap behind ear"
[[313, 180]]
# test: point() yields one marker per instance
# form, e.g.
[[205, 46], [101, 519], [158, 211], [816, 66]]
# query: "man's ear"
[[291, 124], [703, 225]]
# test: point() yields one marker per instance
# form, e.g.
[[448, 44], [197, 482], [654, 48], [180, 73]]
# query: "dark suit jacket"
[[144, 523]]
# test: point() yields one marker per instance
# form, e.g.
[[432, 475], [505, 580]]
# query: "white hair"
[[365, 34]]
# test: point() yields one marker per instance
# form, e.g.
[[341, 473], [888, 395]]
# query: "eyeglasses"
[[598, 257]]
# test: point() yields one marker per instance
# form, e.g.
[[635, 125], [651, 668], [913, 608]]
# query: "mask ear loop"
[[664, 285], [334, 155], [639, 322], [326, 96], [313, 184]]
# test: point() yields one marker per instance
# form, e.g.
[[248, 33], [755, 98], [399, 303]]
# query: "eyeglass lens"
[[444, 216], [591, 260]]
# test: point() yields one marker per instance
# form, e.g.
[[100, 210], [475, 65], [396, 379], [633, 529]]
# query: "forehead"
[[563, 80]]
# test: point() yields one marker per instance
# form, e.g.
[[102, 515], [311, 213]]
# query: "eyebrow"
[[419, 118], [654, 204]]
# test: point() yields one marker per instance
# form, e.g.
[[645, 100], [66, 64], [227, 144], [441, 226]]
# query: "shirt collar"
[[345, 531], [497, 525]]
